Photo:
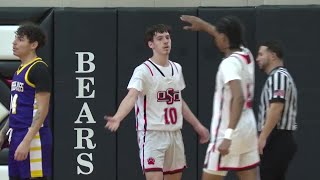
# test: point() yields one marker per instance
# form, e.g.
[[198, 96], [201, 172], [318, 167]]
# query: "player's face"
[[263, 57], [220, 41], [22, 47], [161, 43]]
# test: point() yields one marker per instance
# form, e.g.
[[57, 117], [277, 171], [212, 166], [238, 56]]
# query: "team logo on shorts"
[[151, 161], [169, 96]]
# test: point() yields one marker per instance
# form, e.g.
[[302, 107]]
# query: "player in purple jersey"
[[27, 130]]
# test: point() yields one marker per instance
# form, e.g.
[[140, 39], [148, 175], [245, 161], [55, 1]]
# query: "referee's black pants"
[[277, 154]]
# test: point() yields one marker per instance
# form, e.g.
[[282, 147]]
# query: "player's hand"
[[203, 133], [224, 147], [4, 143], [196, 24], [2, 139], [261, 144], [22, 151], [112, 123]]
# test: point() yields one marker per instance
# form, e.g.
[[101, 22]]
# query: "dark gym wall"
[[87, 35]]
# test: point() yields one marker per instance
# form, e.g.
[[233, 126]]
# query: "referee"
[[277, 113]]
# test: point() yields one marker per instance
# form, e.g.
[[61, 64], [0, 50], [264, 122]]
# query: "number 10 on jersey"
[[170, 115]]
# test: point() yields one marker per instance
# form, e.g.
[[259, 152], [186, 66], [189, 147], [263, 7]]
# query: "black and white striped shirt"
[[279, 87]]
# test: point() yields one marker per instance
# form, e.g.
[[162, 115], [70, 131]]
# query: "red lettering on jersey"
[[169, 96]]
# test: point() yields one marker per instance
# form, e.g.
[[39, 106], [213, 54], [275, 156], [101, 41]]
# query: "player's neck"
[[160, 60], [273, 66], [228, 52], [28, 58]]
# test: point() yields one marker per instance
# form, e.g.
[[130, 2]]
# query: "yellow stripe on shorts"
[[36, 157], [35, 160], [37, 173], [35, 148]]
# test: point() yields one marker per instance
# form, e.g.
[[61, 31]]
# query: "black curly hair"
[[233, 28], [33, 32]]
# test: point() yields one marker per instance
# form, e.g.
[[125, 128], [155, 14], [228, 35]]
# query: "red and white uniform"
[[159, 118], [238, 66], [159, 105]]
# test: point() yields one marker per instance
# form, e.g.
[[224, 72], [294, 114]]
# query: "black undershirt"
[[39, 76]]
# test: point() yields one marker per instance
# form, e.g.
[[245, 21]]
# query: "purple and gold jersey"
[[22, 110], [23, 102]]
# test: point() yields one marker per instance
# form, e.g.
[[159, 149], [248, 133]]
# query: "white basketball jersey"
[[238, 66], [159, 104]]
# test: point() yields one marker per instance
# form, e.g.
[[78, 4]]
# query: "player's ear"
[[150, 44], [34, 45], [273, 55]]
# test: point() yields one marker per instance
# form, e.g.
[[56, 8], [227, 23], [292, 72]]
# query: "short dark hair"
[[152, 30], [33, 32], [274, 46], [232, 27]]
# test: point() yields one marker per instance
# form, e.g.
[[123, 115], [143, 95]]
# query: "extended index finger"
[[187, 27], [185, 18]]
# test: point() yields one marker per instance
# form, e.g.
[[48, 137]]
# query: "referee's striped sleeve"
[[279, 87]]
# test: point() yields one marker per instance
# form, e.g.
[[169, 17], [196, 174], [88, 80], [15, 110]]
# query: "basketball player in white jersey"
[[155, 91], [233, 143]]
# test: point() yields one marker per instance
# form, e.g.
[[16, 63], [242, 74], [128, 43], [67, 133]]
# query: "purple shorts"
[[39, 160]]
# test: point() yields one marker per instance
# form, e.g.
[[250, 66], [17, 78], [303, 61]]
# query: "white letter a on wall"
[[85, 113]]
